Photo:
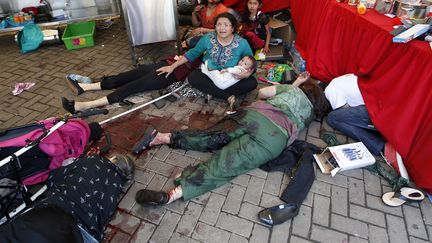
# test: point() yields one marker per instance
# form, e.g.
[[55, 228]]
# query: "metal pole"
[[143, 105]]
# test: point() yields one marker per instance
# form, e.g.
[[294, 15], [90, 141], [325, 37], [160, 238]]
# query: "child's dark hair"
[[246, 12], [231, 19], [254, 63]]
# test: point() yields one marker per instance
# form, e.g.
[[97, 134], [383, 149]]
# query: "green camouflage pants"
[[243, 142]]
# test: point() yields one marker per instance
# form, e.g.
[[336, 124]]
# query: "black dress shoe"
[[150, 197], [68, 105], [278, 214], [74, 86]]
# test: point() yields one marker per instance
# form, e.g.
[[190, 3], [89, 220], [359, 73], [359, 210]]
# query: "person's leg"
[[262, 142], [120, 79], [84, 105], [254, 41], [150, 81], [130, 76], [243, 86], [209, 140], [200, 81], [355, 123]]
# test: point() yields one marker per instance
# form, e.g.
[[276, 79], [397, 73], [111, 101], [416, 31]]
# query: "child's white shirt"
[[223, 80]]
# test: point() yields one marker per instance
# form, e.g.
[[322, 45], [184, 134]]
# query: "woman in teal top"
[[241, 142], [222, 49]]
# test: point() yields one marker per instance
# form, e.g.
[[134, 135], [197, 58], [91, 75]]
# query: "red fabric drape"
[[268, 5], [395, 79]]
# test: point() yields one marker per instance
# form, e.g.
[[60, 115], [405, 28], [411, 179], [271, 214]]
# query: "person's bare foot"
[[160, 138]]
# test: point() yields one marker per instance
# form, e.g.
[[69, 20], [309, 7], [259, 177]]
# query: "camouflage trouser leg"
[[214, 138], [256, 141]]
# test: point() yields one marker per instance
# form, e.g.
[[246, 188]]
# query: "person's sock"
[[175, 194]]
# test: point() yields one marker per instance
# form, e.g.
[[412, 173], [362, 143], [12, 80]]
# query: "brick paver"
[[344, 208]]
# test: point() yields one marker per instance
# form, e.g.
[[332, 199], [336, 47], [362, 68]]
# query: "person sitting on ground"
[[226, 77], [204, 19], [242, 142], [144, 78], [350, 115], [221, 49], [80, 200], [255, 28]]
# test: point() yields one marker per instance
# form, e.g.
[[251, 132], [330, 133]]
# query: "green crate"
[[79, 35]]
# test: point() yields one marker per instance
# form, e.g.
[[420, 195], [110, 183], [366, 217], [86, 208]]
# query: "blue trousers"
[[355, 123]]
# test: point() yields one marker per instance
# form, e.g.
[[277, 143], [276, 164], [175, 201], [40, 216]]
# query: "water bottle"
[[270, 74], [302, 67]]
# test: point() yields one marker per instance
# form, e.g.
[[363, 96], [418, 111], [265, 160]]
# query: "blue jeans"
[[355, 123]]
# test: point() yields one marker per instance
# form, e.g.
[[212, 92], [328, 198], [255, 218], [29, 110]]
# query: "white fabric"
[[222, 80], [344, 90]]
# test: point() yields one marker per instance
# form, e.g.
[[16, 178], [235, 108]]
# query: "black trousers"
[[200, 81], [138, 80], [297, 158]]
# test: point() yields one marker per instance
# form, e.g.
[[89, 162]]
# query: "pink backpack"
[[69, 140]]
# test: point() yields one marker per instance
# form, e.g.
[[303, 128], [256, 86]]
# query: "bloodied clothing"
[[243, 141], [294, 103]]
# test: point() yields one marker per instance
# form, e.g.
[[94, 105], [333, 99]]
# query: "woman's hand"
[[196, 32], [198, 8], [166, 69], [303, 77]]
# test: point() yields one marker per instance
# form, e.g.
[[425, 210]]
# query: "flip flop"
[[145, 141], [160, 103], [405, 194], [278, 214]]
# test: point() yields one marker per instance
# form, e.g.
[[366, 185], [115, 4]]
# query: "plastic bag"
[[29, 38]]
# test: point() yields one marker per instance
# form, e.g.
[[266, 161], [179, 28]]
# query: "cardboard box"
[[276, 53], [282, 30], [344, 157], [411, 33]]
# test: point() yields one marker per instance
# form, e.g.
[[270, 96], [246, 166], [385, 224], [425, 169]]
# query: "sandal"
[[160, 103], [232, 107], [68, 105], [125, 164], [278, 214], [145, 141], [405, 194]]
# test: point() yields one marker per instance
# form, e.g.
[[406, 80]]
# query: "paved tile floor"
[[345, 208]]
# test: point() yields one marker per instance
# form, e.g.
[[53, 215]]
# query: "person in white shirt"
[[350, 115]]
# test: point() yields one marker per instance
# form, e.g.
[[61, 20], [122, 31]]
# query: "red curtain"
[[268, 5], [395, 79]]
